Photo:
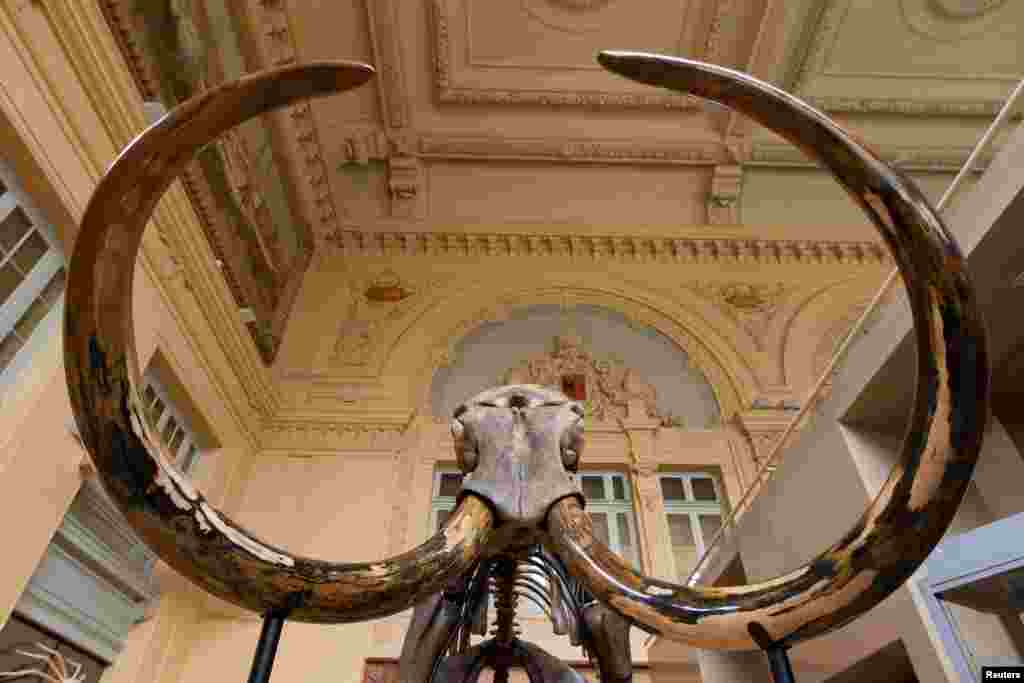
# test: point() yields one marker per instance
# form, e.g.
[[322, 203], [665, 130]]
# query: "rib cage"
[[504, 581]]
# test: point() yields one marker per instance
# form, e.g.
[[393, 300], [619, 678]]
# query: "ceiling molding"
[[448, 92], [569, 150], [387, 55], [824, 30], [907, 106], [914, 158], [825, 21], [622, 248], [279, 46], [726, 13]]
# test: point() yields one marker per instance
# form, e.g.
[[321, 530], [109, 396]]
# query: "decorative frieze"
[[606, 247], [312, 436]]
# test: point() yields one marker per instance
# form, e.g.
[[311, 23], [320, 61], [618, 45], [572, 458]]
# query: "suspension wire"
[[770, 460]]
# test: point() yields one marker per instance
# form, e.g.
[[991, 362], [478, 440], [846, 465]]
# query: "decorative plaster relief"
[[373, 306], [725, 196], [296, 436], [610, 385], [753, 305], [924, 17], [348, 243], [953, 20], [571, 150], [449, 92], [566, 15]]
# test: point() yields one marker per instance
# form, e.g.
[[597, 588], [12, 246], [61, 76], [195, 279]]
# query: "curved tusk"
[[920, 497], [102, 374]]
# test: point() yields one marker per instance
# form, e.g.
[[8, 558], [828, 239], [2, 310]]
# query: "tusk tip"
[[645, 67]]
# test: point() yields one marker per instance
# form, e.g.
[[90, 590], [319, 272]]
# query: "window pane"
[[13, 228], [442, 517], [709, 526], [684, 547], [30, 251], [31, 318], [672, 488], [9, 281], [593, 487], [600, 522], [625, 537], [703, 488], [169, 428], [451, 482], [618, 488]]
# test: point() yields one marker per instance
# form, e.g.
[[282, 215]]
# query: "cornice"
[[619, 248], [450, 93]]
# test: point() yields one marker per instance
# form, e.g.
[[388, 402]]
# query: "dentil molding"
[[620, 248]]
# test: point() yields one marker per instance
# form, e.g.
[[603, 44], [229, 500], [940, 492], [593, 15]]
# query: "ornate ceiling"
[[491, 117]]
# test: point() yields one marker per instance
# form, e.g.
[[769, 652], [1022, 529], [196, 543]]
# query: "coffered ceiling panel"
[[951, 57], [542, 51]]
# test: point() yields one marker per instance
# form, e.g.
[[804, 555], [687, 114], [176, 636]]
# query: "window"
[[610, 504], [170, 424], [31, 273], [447, 483], [693, 508]]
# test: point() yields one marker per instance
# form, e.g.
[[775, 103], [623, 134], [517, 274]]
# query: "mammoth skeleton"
[[520, 444]]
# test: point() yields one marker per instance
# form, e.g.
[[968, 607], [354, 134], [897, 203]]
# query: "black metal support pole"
[[266, 648], [778, 660]]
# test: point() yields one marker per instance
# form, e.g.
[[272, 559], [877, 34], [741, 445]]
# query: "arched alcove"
[[596, 351]]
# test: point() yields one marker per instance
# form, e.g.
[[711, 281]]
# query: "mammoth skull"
[[520, 444]]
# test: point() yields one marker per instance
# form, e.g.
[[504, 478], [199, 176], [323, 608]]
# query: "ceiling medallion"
[[568, 15], [952, 20]]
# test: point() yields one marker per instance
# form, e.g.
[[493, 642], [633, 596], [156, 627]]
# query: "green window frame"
[[693, 512], [32, 277]]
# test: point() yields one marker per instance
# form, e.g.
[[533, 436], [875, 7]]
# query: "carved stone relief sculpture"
[[608, 384], [752, 305], [371, 307]]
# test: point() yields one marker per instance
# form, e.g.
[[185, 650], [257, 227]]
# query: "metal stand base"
[[266, 648], [778, 660]]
